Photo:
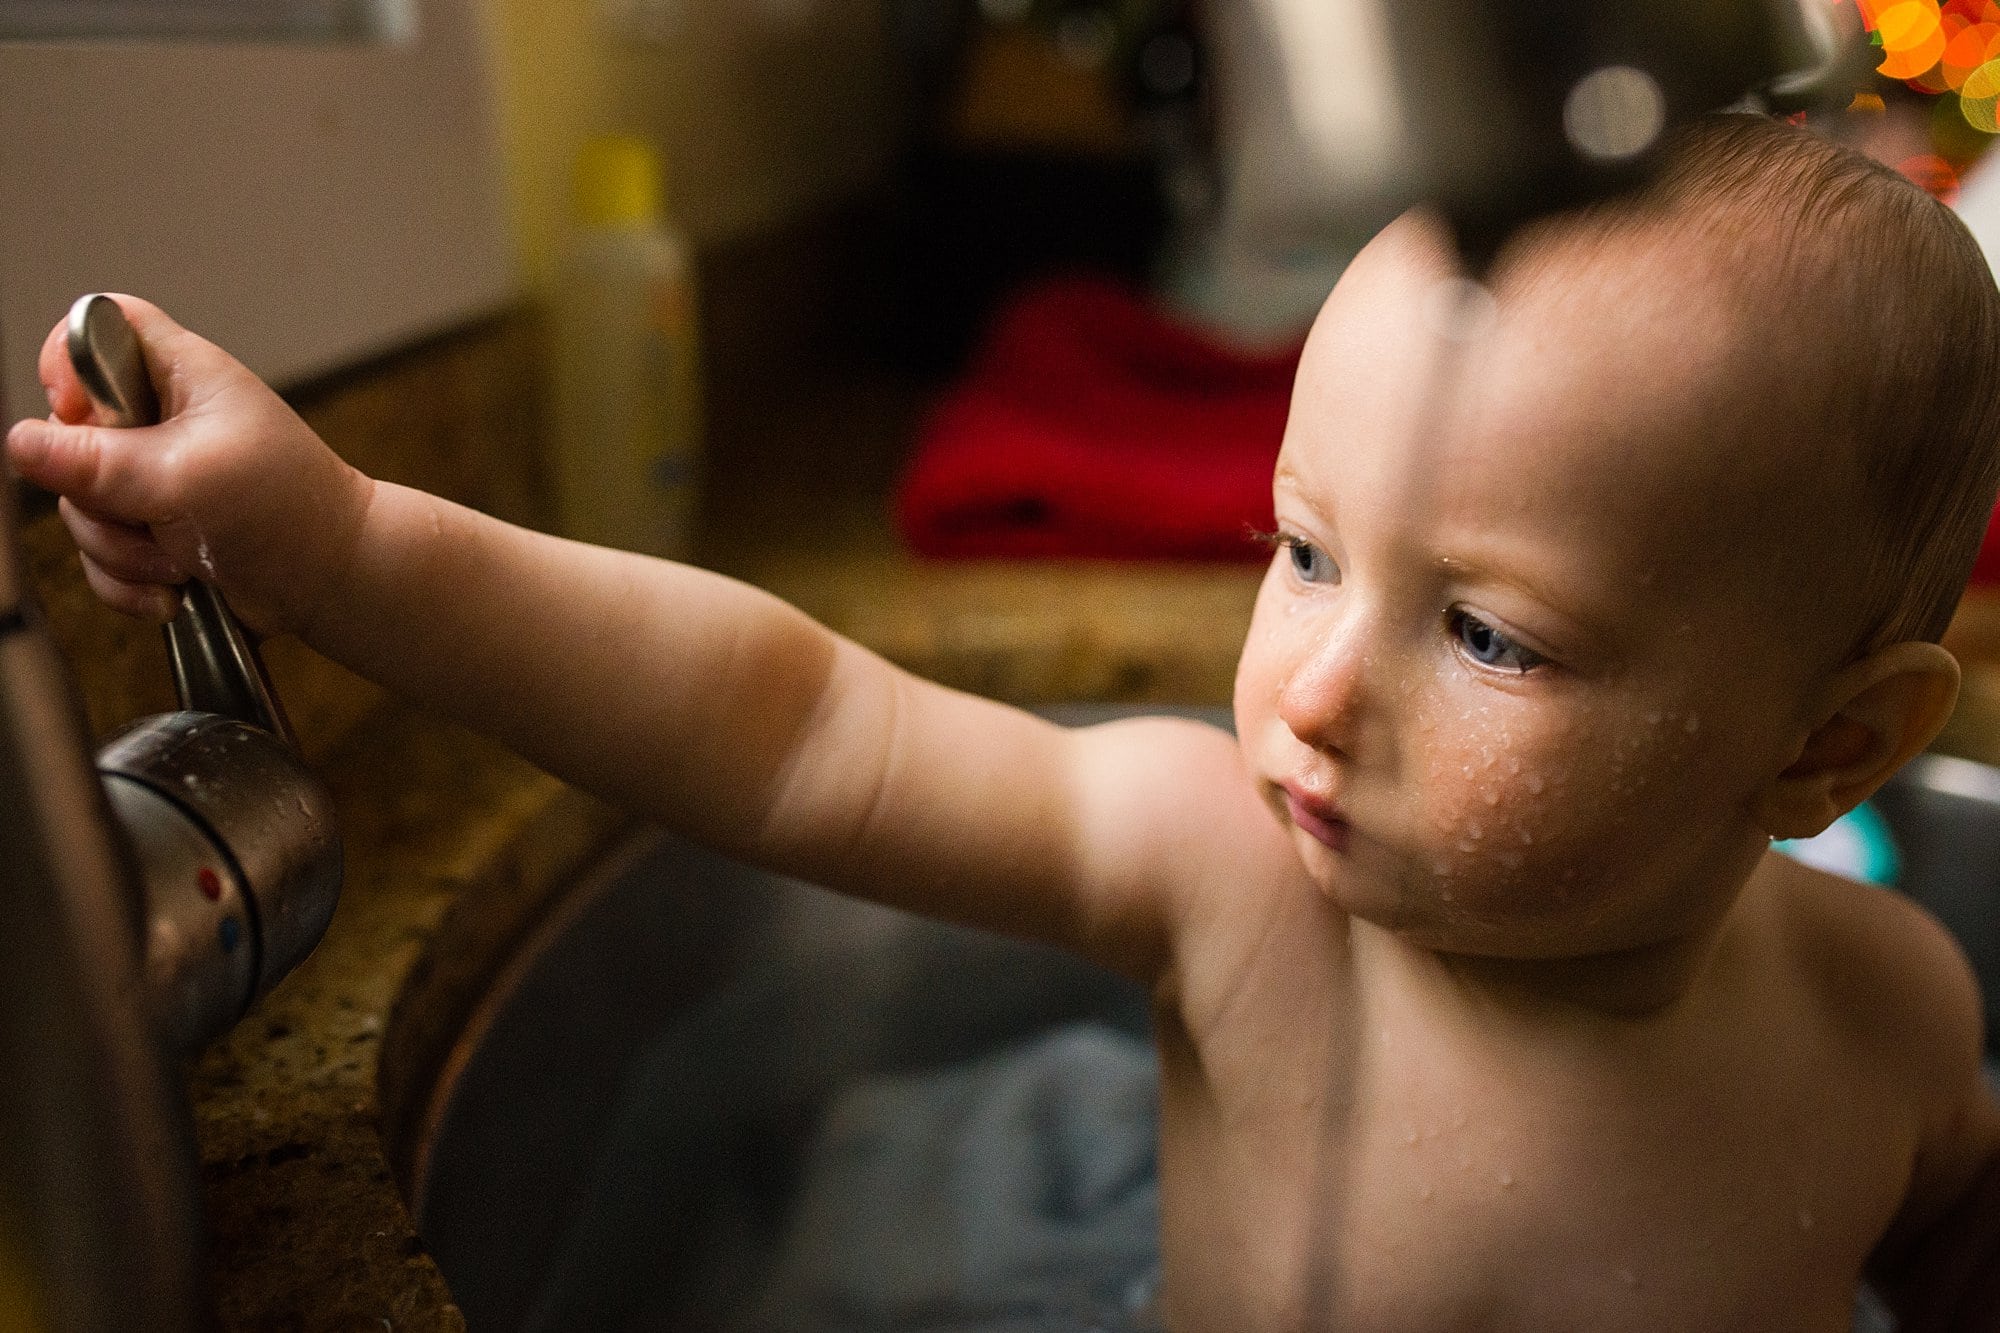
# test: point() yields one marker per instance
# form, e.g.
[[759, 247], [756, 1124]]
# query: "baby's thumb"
[[110, 472]]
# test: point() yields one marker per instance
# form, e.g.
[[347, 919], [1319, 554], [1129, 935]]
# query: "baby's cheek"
[[1524, 819]]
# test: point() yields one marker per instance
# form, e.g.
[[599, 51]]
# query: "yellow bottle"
[[627, 425]]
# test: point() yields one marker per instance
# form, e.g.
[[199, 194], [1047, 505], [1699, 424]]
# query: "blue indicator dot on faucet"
[[230, 931]]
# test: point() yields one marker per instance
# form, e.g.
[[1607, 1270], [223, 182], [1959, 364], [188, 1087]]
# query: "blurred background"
[[772, 281]]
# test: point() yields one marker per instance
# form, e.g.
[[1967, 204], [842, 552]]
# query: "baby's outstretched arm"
[[681, 694]]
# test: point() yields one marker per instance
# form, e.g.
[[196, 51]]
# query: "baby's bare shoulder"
[[1179, 787], [1177, 799], [1880, 969]]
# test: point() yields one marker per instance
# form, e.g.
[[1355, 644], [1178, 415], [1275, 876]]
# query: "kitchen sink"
[[647, 1070]]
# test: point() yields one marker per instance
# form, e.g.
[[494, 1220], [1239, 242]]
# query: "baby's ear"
[[1875, 716]]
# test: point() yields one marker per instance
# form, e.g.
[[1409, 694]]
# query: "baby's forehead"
[[1644, 332], [1626, 387]]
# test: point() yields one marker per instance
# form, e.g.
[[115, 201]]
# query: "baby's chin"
[[1459, 913]]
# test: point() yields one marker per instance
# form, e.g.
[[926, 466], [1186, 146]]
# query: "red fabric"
[[1986, 569], [1089, 424]]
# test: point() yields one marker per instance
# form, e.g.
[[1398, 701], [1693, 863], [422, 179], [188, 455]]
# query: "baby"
[[1481, 1002]]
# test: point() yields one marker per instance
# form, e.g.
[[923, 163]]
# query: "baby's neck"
[[1631, 984]]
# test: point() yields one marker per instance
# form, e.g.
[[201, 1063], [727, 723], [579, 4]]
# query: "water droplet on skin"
[[1409, 1138], [1513, 766], [1527, 838], [1474, 831], [1506, 1180], [1490, 796], [1535, 784]]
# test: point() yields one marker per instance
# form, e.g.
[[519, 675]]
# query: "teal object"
[[1857, 845]]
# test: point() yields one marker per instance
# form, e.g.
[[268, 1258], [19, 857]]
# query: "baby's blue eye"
[[1309, 563], [1489, 647]]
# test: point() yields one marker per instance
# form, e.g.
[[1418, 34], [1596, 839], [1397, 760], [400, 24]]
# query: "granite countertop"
[[306, 1113]]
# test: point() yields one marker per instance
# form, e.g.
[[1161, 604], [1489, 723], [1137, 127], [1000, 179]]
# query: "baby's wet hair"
[[1886, 297]]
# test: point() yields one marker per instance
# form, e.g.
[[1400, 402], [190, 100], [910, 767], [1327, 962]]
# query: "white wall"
[[305, 206]]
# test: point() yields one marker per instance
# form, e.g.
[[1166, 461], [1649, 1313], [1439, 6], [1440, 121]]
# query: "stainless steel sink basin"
[[680, 1020]]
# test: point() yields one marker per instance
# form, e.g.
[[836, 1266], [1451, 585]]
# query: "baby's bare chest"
[[1384, 1174]]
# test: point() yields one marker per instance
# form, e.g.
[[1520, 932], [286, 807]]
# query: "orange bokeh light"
[[1972, 11], [1913, 38], [1967, 49]]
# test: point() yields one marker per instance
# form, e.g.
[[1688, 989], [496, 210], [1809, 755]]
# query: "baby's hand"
[[231, 487]]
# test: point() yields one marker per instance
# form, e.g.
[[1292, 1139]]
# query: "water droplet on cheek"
[[1535, 784]]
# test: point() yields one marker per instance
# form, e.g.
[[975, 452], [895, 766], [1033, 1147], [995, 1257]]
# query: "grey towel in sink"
[[1013, 1194]]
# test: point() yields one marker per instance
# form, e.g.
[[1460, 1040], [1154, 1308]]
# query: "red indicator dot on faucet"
[[211, 884]]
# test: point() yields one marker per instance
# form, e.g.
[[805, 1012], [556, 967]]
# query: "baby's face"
[[1528, 651]]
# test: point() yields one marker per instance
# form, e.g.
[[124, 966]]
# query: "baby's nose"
[[1326, 699]]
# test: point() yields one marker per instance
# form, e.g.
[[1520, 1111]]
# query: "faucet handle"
[[215, 666], [109, 360]]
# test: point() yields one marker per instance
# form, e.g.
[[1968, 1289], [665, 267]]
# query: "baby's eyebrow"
[[1288, 479], [1578, 620]]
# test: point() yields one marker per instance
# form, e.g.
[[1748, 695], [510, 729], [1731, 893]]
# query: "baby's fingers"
[[115, 473], [147, 601], [120, 549]]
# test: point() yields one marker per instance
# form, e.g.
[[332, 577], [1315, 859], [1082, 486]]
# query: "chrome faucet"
[[238, 853], [142, 910]]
